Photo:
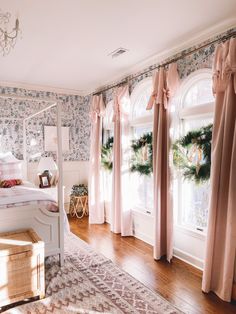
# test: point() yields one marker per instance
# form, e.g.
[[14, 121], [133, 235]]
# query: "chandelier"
[[7, 37]]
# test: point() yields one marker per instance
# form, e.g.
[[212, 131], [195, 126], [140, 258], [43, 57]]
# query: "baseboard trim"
[[181, 255], [143, 237], [189, 259]]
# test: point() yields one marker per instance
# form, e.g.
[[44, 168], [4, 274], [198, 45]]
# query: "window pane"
[[199, 93], [142, 185], [108, 124], [140, 104], [195, 124], [194, 197], [142, 188], [195, 201], [138, 132]]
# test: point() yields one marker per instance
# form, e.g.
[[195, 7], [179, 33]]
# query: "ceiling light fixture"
[[7, 38]]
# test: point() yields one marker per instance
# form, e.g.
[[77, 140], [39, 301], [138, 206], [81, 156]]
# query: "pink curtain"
[[96, 205], [121, 219], [165, 83], [220, 262]]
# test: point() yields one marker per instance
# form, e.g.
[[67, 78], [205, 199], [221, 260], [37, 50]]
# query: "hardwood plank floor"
[[177, 282]]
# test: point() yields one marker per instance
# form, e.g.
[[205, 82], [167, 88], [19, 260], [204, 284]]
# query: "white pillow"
[[7, 157]]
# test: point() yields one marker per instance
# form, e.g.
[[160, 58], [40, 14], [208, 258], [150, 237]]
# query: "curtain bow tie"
[[166, 96], [153, 99], [94, 114]]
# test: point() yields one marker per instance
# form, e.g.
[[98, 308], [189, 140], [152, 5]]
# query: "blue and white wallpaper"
[[75, 115], [75, 110]]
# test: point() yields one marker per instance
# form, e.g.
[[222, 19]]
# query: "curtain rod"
[[130, 77]]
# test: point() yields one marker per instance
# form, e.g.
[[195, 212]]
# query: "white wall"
[[74, 172]]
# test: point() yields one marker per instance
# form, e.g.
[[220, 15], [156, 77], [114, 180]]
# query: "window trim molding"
[[145, 120], [198, 111], [194, 77], [204, 110]]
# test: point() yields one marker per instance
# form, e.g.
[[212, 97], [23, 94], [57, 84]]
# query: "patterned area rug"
[[91, 283]]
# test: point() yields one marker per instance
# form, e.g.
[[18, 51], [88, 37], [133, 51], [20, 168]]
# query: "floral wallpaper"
[[75, 109], [75, 115]]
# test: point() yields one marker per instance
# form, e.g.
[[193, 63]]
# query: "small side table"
[[79, 206]]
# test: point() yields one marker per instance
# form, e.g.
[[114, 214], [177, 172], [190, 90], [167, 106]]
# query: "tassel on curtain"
[[121, 219], [220, 261], [96, 204], [165, 83]]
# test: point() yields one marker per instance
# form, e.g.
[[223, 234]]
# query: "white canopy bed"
[[27, 206]]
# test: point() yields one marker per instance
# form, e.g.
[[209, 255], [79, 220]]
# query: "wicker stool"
[[79, 206]]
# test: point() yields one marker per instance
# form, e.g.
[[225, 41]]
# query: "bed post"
[[60, 183], [25, 151]]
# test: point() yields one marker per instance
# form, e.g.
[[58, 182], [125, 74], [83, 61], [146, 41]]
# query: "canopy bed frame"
[[48, 225]]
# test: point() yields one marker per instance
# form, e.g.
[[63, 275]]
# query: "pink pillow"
[[9, 183], [10, 170]]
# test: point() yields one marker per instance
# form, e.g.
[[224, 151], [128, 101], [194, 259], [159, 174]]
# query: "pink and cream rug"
[[91, 283]]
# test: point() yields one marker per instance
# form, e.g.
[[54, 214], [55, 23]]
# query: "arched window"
[[141, 119], [139, 100], [107, 121], [141, 122], [196, 109]]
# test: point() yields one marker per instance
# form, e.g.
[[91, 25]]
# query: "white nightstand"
[[52, 191]]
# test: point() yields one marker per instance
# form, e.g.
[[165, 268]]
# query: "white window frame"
[[205, 110], [144, 121], [108, 127]]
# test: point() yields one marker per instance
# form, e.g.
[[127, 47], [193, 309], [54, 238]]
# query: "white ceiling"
[[65, 43]]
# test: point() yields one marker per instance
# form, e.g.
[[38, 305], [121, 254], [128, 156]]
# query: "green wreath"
[[106, 154], [141, 160], [192, 154]]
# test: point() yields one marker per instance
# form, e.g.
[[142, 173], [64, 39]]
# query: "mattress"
[[27, 194]]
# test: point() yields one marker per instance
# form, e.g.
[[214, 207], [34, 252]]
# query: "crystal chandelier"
[[7, 38]]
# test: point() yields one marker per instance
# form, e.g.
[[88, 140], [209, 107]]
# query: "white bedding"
[[20, 194], [26, 194]]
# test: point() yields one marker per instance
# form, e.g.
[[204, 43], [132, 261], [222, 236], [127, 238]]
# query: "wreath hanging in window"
[[141, 160], [107, 154], [192, 154]]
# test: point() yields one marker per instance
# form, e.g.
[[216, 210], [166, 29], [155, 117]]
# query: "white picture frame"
[[50, 138]]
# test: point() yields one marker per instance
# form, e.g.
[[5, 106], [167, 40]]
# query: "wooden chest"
[[21, 266]]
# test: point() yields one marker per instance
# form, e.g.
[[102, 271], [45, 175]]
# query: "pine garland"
[[141, 160], [192, 154], [106, 154]]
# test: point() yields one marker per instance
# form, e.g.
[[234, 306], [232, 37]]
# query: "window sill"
[[193, 233], [141, 212]]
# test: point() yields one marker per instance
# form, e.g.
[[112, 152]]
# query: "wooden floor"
[[177, 282]]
